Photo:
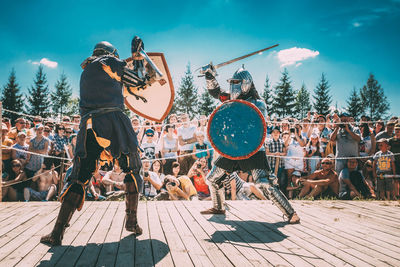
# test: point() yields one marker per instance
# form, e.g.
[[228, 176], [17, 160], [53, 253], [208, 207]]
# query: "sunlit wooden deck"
[[331, 233]]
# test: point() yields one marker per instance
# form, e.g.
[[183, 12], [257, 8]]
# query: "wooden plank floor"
[[331, 233]]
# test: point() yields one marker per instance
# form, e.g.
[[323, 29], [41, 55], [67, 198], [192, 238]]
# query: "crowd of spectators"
[[318, 156]]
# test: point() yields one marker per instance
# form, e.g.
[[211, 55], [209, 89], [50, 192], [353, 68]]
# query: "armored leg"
[[214, 181], [132, 186], [269, 186], [71, 202]]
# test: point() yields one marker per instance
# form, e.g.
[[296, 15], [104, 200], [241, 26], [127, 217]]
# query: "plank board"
[[252, 233]]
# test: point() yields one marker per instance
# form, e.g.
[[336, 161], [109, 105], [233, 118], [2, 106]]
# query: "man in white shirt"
[[186, 139]]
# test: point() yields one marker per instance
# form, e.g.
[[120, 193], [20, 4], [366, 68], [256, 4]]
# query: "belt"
[[99, 111]]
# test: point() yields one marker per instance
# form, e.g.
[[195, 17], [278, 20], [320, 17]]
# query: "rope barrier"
[[204, 150], [283, 121]]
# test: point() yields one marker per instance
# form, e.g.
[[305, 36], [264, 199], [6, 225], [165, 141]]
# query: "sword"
[[235, 59]]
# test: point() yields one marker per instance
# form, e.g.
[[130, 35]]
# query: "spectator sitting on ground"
[[13, 185], [352, 183], [114, 180], [319, 181], [369, 174], [151, 180], [158, 169], [47, 181], [180, 189], [197, 175], [176, 168], [239, 189], [384, 165]]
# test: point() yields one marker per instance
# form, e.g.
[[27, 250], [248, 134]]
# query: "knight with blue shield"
[[241, 87]]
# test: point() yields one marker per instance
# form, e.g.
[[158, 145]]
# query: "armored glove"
[[209, 71]]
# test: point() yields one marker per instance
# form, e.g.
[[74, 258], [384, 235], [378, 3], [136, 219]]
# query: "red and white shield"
[[159, 97]]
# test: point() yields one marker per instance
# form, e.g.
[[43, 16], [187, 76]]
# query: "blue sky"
[[346, 40]]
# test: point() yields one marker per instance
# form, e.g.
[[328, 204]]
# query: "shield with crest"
[[154, 102], [237, 129]]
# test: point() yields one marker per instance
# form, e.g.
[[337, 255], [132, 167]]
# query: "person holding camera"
[[197, 174], [295, 151], [346, 139], [177, 189], [151, 181]]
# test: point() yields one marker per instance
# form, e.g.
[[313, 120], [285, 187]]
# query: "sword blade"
[[242, 57]]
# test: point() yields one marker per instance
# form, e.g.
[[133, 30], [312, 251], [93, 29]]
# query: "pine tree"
[[72, 106], [373, 99], [12, 98], [284, 99], [303, 104], [187, 98], [321, 97], [267, 96], [354, 105], [38, 97], [206, 104], [61, 96]]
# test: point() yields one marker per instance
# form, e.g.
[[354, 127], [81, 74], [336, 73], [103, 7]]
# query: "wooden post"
[[1, 153]]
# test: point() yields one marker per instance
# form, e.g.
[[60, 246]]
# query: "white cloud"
[[356, 24], [46, 62], [294, 55]]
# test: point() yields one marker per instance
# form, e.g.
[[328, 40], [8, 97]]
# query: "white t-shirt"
[[148, 189], [186, 133]]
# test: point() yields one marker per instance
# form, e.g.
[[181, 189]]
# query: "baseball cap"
[[39, 125], [149, 132]]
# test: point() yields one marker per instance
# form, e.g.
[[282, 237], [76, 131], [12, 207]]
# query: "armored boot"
[[132, 201], [70, 203]]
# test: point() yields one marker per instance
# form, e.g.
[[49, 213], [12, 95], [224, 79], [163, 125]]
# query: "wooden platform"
[[331, 233]]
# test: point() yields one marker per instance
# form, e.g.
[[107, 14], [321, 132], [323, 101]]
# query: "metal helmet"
[[105, 48], [240, 83]]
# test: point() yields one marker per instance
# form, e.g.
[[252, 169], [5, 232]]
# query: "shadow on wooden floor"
[[247, 231], [127, 252]]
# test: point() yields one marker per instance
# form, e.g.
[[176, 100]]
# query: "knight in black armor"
[[242, 87], [105, 133]]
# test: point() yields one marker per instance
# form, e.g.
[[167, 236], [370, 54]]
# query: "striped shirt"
[[227, 182]]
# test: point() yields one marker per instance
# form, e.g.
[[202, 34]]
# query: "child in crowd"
[[149, 145], [200, 148], [383, 166]]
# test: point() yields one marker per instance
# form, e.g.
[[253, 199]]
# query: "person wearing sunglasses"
[[14, 185], [320, 181], [19, 126]]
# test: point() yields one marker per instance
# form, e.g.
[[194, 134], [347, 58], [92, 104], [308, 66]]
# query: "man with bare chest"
[[47, 180], [319, 181]]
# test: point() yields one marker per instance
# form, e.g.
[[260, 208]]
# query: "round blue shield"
[[236, 129]]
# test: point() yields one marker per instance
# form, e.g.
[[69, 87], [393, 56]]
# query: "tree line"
[[284, 101], [40, 100]]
